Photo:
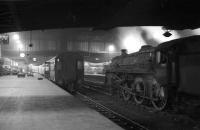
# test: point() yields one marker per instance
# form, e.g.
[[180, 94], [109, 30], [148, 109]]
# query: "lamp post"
[[111, 48]]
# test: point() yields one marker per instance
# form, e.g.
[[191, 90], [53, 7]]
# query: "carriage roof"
[[186, 42]]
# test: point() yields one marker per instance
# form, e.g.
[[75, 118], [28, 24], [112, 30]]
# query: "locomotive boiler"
[[161, 75]]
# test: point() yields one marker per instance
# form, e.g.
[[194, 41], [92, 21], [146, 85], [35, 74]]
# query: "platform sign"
[[4, 38]]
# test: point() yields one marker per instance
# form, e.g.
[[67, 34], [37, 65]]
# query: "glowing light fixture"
[[167, 32], [111, 48], [18, 42], [34, 59], [20, 46], [16, 37], [132, 44], [22, 55]]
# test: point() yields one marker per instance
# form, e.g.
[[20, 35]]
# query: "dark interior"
[[18, 15]]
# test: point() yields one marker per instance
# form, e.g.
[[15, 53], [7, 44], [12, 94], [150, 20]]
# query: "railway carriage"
[[69, 70], [159, 74]]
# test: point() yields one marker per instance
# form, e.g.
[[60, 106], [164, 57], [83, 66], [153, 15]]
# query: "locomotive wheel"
[[139, 88], [125, 94], [159, 95]]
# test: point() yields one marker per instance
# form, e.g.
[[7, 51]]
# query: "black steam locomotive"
[[163, 75]]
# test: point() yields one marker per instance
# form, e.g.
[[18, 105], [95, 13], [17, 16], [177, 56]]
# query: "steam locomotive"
[[162, 75]]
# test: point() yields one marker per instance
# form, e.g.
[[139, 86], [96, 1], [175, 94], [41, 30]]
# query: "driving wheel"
[[159, 95], [139, 90], [125, 93]]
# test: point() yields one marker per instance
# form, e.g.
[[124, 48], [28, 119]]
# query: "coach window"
[[158, 57], [161, 58], [79, 65], [150, 57]]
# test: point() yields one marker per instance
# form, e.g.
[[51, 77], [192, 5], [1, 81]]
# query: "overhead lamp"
[[30, 45], [20, 46], [22, 55], [16, 37], [167, 34], [34, 59], [111, 48]]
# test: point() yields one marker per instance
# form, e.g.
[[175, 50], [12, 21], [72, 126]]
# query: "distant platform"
[[103, 75]]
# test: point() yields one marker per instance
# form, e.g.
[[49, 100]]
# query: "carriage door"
[[172, 68], [80, 70], [189, 68], [161, 67]]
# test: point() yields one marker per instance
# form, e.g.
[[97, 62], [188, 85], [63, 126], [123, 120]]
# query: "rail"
[[119, 119]]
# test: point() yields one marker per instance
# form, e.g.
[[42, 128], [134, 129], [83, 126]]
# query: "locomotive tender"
[[159, 74]]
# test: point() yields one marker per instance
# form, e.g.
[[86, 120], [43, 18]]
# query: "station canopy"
[[21, 15]]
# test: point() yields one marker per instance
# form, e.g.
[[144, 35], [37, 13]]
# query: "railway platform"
[[32, 104]]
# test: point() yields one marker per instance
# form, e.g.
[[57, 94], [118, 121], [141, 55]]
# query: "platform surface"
[[32, 104]]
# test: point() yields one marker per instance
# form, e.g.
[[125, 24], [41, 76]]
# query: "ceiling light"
[[30, 45], [16, 37], [111, 48], [22, 55], [34, 59], [167, 34], [20, 46]]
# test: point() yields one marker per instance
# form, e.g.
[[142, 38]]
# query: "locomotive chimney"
[[123, 52]]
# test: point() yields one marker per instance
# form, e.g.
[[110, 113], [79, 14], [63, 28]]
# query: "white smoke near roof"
[[188, 32], [132, 38]]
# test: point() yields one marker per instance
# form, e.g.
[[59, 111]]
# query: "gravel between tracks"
[[147, 117]]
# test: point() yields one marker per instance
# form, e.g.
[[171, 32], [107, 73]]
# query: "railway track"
[[168, 113], [96, 87], [119, 119]]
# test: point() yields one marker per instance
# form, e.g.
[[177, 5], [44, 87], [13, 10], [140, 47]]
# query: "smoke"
[[132, 38], [148, 39], [188, 32]]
